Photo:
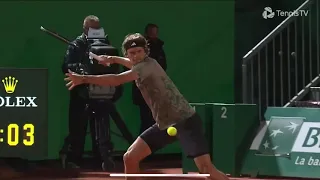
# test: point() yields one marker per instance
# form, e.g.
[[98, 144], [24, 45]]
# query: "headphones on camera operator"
[[98, 44]]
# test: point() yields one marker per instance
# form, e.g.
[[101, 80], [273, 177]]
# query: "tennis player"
[[168, 106]]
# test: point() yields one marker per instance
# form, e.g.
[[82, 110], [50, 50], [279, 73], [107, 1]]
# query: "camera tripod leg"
[[104, 142]]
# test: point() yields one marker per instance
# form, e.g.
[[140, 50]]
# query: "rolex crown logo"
[[9, 84]]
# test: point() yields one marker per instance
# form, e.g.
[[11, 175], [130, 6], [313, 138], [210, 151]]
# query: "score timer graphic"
[[24, 113]]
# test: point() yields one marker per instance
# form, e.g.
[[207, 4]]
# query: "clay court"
[[52, 170]]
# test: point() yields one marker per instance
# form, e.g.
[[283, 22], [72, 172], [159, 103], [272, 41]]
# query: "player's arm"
[[110, 79], [115, 59], [123, 61]]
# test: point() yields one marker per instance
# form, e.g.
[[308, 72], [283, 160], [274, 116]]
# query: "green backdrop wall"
[[198, 39]]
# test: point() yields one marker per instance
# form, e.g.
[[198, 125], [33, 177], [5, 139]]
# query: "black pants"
[[78, 124], [190, 134], [145, 117]]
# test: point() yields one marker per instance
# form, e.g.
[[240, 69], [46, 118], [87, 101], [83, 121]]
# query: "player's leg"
[[205, 166], [195, 145], [148, 142], [135, 153]]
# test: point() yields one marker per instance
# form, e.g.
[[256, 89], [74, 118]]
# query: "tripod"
[[100, 112]]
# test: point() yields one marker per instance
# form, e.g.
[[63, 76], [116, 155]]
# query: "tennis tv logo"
[[10, 83], [268, 13], [285, 135]]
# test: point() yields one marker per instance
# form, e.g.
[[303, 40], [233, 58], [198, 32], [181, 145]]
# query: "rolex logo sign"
[[10, 85]]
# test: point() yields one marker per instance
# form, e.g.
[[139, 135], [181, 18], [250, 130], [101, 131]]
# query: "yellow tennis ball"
[[172, 131]]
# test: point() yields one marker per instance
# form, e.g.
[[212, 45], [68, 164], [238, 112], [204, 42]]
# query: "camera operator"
[[88, 102], [156, 52]]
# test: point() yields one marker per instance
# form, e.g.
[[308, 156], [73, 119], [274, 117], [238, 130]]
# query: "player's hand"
[[73, 79], [106, 60]]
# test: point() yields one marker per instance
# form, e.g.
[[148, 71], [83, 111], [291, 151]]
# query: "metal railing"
[[285, 62]]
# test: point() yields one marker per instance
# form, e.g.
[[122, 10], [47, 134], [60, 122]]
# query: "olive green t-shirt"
[[167, 104]]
